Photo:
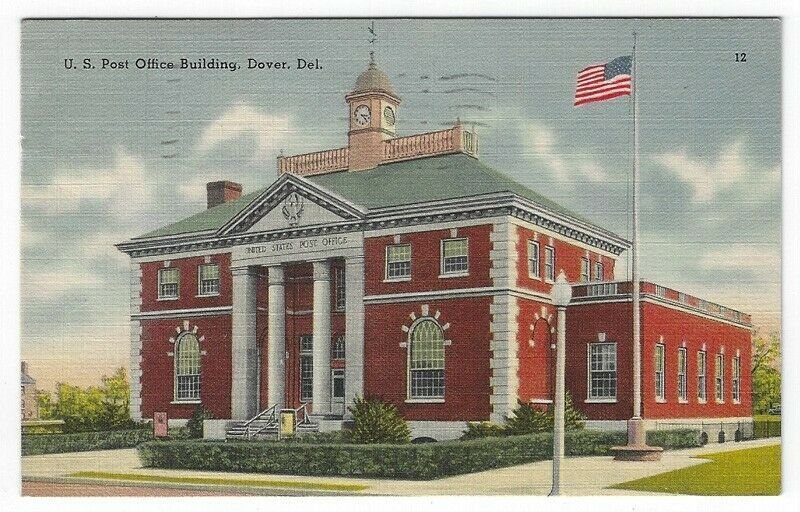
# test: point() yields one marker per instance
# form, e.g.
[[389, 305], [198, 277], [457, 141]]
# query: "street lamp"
[[561, 293]]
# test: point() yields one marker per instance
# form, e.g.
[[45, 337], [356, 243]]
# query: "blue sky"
[[96, 170]]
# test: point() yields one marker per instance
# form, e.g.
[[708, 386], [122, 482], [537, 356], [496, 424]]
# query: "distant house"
[[30, 408]]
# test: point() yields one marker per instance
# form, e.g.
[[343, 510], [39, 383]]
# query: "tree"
[[765, 372], [90, 409], [116, 399]]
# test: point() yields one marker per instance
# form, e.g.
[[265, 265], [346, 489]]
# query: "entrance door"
[[337, 391], [306, 368]]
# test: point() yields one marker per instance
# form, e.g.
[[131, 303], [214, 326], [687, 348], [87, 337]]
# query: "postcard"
[[401, 256]]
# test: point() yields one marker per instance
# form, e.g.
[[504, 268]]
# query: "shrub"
[[39, 444], [375, 421], [194, 426], [480, 429], [334, 437], [527, 420], [674, 438], [406, 461]]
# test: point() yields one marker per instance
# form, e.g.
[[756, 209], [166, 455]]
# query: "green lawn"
[[749, 472], [766, 417]]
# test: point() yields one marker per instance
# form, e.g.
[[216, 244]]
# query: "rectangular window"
[[455, 256], [598, 271], [701, 376], [168, 283], [306, 368], [659, 367], [682, 396], [584, 270], [737, 374], [550, 263], [208, 279], [337, 347], [340, 291], [533, 259], [719, 376], [661, 291], [682, 298], [603, 371], [398, 261], [337, 385]]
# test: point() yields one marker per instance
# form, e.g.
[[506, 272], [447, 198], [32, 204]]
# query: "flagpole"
[[637, 337], [636, 448]]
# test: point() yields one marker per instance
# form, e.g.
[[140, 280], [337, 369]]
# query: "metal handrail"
[[305, 419], [262, 413], [272, 418]]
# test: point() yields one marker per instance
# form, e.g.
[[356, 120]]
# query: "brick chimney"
[[219, 192]]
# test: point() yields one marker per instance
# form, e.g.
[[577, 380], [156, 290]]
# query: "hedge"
[[412, 462], [39, 444], [674, 439]]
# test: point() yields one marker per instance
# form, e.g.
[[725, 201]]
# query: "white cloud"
[[100, 246], [195, 189], [541, 142], [110, 189], [245, 120], [40, 286], [764, 260], [709, 178]]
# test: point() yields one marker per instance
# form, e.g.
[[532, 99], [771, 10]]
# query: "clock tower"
[[372, 106]]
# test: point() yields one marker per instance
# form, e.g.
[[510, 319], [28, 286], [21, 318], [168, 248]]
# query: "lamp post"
[[561, 293]]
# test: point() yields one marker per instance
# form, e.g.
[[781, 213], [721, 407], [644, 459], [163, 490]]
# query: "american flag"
[[602, 82]]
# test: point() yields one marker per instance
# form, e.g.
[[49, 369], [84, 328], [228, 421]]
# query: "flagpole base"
[[637, 448]]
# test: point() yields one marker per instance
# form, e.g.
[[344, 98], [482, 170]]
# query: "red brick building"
[[405, 268]]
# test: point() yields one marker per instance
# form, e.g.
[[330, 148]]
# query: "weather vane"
[[372, 35]]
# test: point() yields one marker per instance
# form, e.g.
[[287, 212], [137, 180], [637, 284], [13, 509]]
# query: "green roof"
[[412, 181], [212, 218], [426, 179]]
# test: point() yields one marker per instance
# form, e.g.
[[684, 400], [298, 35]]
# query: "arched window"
[[187, 368], [426, 360]]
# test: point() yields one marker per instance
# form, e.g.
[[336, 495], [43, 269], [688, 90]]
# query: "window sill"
[[448, 276], [424, 400], [160, 299], [737, 402], [207, 295], [600, 401], [397, 279], [540, 401], [719, 402], [701, 401], [185, 402], [680, 401], [661, 400], [535, 278]]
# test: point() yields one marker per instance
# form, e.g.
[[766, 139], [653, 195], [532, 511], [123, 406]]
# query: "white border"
[[9, 209]]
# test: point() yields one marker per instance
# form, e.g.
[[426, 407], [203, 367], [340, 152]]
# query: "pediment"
[[292, 203]]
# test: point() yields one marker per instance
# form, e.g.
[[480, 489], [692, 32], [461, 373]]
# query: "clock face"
[[361, 115], [388, 114]]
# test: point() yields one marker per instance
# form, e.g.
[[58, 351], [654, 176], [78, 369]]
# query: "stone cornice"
[[435, 214]]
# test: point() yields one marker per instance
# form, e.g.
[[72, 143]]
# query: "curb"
[[235, 490]]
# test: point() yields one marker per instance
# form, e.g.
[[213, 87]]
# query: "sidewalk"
[[581, 476]]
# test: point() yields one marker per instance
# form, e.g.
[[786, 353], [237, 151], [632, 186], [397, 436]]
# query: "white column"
[[244, 348], [354, 329], [321, 382], [276, 338]]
